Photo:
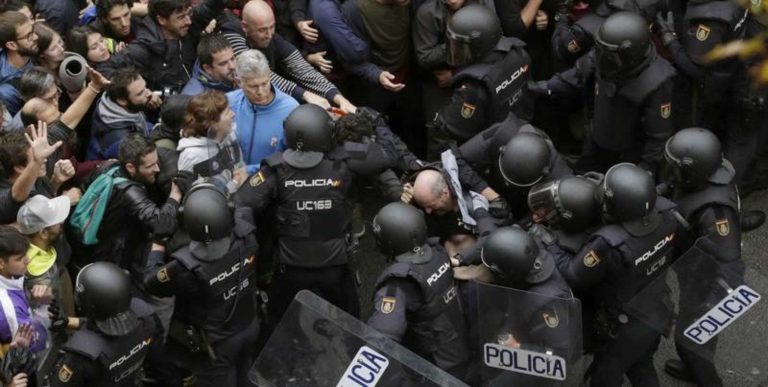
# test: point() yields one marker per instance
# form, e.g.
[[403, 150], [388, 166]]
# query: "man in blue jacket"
[[19, 44], [260, 109], [215, 67]]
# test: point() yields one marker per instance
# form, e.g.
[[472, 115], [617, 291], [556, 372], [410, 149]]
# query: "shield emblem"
[[388, 305], [257, 179], [65, 373], [467, 110], [591, 259], [702, 32], [573, 47], [723, 228], [550, 319], [666, 110], [162, 275]]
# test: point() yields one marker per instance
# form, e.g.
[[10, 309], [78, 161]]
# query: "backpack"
[[89, 212]]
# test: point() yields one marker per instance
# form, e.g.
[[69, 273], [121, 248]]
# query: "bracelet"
[[93, 89]]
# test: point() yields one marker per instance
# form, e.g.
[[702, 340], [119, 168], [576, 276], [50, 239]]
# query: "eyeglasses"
[[30, 36], [55, 95]]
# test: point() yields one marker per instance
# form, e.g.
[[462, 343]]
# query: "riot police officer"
[[618, 260], [726, 102], [491, 82], [416, 299], [512, 155], [213, 278], [703, 188], [564, 212], [110, 349], [310, 184], [633, 95]]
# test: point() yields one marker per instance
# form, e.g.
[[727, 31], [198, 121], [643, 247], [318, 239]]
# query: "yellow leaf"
[[741, 48]]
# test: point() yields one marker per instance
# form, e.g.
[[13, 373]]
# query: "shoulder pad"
[[590, 23], [141, 308], [614, 234], [274, 160], [664, 204], [185, 258], [244, 223], [338, 153], [396, 270], [658, 72], [356, 150], [86, 342], [507, 43]]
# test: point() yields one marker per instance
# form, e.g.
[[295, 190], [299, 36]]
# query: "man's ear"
[[207, 69], [162, 21], [11, 46], [131, 169], [122, 102]]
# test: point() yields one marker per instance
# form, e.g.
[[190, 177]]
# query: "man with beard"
[[120, 111], [19, 43], [215, 67]]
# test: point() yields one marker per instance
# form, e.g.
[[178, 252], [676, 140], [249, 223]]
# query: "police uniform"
[[417, 303], [93, 359], [313, 221], [723, 93], [217, 297], [482, 153], [635, 111], [713, 213], [571, 41], [614, 265], [484, 93]]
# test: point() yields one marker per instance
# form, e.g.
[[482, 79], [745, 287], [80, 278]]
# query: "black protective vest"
[[504, 79], [120, 357], [643, 258], [223, 282], [224, 159], [713, 194], [617, 123], [437, 330], [313, 213]]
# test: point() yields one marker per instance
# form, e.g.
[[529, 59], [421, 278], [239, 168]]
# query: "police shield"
[[318, 344], [719, 311], [527, 339]]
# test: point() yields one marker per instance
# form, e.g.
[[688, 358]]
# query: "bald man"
[[461, 221], [290, 72]]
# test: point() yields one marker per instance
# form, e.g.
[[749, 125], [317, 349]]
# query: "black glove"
[[498, 208], [184, 180], [666, 27], [58, 321], [16, 361], [538, 88], [543, 233]]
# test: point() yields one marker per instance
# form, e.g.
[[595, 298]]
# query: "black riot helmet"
[[524, 160], [624, 46], [401, 232], [694, 157], [207, 216], [309, 128], [568, 203], [472, 33], [103, 295], [626, 194], [513, 256]]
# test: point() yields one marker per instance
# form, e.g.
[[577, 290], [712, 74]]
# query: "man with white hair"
[[260, 109], [292, 74]]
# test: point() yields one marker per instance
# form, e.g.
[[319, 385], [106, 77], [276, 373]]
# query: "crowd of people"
[[174, 172]]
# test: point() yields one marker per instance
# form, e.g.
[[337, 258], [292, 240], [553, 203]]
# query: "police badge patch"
[[163, 276], [702, 32], [573, 46], [256, 179], [388, 305], [551, 320], [65, 373], [666, 110], [467, 110], [591, 259], [723, 228]]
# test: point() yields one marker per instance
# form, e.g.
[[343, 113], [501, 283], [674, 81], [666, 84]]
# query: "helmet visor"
[[460, 50], [609, 61], [543, 202]]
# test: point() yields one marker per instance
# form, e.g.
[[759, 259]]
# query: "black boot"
[[677, 369], [751, 220]]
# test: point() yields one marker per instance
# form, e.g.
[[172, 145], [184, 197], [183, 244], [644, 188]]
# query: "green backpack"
[[89, 212]]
